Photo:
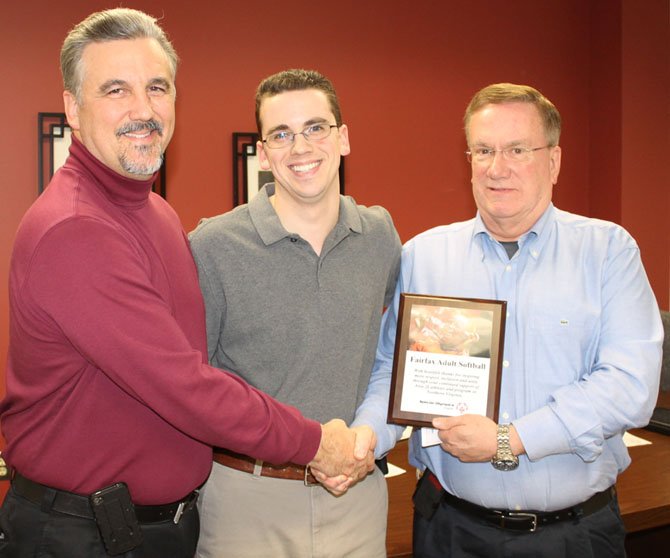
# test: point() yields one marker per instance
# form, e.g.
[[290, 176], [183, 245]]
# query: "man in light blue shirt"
[[581, 362]]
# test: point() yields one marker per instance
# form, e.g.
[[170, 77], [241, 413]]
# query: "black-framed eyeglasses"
[[485, 155], [313, 132]]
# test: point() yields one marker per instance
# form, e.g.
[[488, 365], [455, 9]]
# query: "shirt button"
[[294, 239], [534, 253], [505, 415], [505, 363], [508, 268]]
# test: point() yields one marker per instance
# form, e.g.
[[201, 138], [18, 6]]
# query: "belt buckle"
[[306, 480], [531, 516]]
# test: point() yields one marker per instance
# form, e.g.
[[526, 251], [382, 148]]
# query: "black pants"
[[27, 531], [452, 533]]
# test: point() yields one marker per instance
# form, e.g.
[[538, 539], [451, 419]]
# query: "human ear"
[[71, 109], [263, 161], [555, 163], [345, 148]]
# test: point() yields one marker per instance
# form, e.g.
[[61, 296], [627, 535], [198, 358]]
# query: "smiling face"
[[511, 196], [305, 171], [125, 113]]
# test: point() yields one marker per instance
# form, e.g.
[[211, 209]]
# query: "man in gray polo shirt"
[[295, 283]]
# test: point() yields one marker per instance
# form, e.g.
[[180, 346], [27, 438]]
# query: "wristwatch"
[[504, 459]]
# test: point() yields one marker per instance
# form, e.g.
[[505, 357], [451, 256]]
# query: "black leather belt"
[[531, 520], [78, 506]]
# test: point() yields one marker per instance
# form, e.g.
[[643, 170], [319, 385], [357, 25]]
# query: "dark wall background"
[[404, 73]]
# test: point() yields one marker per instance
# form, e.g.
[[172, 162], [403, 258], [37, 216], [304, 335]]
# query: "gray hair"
[[499, 93], [109, 25]]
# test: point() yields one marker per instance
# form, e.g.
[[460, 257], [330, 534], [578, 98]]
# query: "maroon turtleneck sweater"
[[107, 379]]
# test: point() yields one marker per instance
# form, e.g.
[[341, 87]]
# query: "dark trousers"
[[452, 533], [30, 531]]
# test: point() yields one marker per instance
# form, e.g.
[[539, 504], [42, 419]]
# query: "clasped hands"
[[345, 456]]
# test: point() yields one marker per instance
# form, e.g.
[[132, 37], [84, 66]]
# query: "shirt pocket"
[[560, 348]]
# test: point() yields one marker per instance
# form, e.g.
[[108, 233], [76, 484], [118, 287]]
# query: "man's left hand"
[[470, 438]]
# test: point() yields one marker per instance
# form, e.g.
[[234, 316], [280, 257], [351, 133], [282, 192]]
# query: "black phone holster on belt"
[[427, 495], [114, 514]]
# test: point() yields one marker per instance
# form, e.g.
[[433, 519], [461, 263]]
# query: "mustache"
[[148, 125]]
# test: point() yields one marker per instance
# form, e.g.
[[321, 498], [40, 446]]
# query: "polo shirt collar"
[[269, 227], [349, 216]]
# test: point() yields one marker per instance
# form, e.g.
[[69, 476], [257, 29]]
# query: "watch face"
[[505, 464]]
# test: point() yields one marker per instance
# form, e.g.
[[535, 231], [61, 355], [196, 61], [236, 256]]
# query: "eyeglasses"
[[485, 155], [313, 132]]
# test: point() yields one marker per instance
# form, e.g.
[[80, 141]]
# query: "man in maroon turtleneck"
[[107, 378]]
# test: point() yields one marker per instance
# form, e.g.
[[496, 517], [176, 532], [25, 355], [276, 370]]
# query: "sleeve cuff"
[[542, 434]]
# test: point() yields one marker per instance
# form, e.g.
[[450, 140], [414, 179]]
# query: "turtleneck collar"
[[119, 189]]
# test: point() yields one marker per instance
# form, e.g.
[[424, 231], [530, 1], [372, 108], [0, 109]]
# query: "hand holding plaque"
[[447, 358]]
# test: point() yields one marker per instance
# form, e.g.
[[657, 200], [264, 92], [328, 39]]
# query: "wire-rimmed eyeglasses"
[[313, 132], [516, 154]]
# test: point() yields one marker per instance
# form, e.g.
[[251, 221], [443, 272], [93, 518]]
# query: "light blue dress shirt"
[[582, 354]]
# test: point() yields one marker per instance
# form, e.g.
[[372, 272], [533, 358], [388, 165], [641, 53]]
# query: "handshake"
[[345, 456]]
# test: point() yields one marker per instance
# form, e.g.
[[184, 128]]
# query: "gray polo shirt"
[[300, 326]]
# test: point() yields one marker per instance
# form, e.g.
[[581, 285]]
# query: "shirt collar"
[[537, 234], [120, 189], [269, 227]]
